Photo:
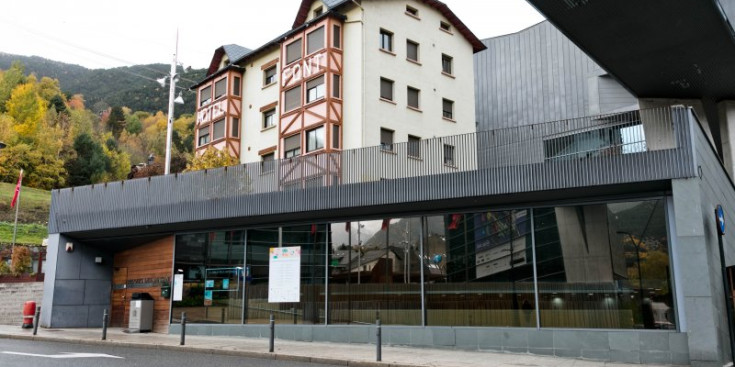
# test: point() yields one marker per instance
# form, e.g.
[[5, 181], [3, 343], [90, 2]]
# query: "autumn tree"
[[211, 158], [116, 121], [27, 108], [9, 79]]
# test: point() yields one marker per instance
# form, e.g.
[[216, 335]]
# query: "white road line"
[[64, 355]]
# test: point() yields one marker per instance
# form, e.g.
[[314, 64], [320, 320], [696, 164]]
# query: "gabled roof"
[[232, 51], [477, 45]]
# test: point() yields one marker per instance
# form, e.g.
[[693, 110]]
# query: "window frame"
[[336, 36], [285, 99], [413, 145], [409, 89], [274, 77], [387, 146], [450, 61], [204, 102], [208, 136], [289, 61], [410, 43], [449, 159], [323, 30], [216, 124], [412, 12], [267, 165], [322, 87], [386, 36], [224, 89], [236, 86], [321, 130], [268, 113], [445, 26], [293, 152], [235, 127], [392, 91], [444, 111]]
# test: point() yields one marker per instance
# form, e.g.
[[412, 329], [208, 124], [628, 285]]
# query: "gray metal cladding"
[[538, 75], [504, 161]]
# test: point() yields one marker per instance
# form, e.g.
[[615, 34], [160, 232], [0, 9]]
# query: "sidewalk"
[[326, 353]]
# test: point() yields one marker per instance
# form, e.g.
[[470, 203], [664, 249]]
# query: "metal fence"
[[653, 143]]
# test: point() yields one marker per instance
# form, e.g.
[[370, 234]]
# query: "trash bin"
[[141, 313]]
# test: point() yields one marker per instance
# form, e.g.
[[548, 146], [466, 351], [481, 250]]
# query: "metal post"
[[295, 318], [183, 328], [728, 295], [273, 334], [35, 320], [17, 206], [378, 351], [104, 325], [223, 314], [171, 97]]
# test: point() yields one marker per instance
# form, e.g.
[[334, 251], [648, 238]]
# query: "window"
[[292, 146], [412, 11], [235, 127], [220, 88], [268, 162], [315, 40], [335, 136], [386, 40], [219, 130], [269, 118], [448, 108], [447, 64], [386, 140], [315, 139], [444, 26], [414, 146], [269, 75], [412, 50], [318, 11], [413, 97], [236, 86], [204, 136], [315, 89], [293, 51], [293, 98], [386, 89], [449, 155], [205, 96], [336, 37], [336, 86]]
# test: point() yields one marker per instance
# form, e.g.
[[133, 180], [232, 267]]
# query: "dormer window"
[[411, 11], [318, 11], [446, 27]]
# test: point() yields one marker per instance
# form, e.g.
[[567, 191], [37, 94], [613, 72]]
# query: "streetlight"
[[172, 78]]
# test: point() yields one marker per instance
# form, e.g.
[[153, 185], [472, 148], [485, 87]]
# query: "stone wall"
[[12, 298]]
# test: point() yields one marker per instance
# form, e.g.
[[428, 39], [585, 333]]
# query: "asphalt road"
[[24, 353]]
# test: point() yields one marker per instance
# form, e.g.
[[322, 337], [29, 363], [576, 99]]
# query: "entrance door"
[[119, 302]]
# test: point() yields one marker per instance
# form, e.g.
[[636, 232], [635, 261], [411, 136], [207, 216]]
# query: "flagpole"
[[17, 206]]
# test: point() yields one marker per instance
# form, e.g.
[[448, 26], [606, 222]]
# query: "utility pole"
[[171, 97]]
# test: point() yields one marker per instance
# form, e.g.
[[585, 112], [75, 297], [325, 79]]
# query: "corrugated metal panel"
[[534, 76], [515, 160]]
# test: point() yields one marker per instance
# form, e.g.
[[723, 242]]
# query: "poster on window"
[[178, 287], [284, 274]]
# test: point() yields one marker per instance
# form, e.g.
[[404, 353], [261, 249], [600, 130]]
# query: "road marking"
[[65, 355]]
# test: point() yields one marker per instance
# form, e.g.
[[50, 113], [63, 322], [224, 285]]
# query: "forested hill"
[[131, 86]]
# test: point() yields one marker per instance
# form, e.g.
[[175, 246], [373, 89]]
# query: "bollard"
[[223, 315], [104, 325], [183, 328], [379, 354], [273, 334], [35, 321]]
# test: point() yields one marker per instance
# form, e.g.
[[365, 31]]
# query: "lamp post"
[[172, 78]]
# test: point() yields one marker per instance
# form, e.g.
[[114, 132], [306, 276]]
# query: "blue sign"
[[225, 284], [720, 217]]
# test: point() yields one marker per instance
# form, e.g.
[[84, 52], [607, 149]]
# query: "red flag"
[[348, 225], [313, 228], [386, 223], [455, 221], [17, 190]]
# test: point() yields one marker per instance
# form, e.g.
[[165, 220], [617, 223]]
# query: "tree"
[[116, 121], [211, 158], [9, 79], [27, 108], [90, 164], [40, 171]]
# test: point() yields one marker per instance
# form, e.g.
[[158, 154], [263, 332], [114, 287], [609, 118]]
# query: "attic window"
[[411, 11], [318, 11], [446, 27]]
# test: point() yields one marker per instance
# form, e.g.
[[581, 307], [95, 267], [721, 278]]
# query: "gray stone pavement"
[[326, 353]]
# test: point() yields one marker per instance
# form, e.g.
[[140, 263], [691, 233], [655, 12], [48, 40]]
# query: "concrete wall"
[[76, 290], [12, 298], [660, 347], [697, 267]]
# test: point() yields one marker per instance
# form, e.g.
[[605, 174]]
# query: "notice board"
[[284, 283]]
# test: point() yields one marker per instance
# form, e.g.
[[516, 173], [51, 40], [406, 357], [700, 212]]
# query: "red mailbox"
[[29, 310]]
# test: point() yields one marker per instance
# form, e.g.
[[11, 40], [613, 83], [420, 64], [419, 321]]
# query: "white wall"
[[255, 96]]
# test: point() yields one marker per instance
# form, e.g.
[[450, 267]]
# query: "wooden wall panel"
[[148, 266]]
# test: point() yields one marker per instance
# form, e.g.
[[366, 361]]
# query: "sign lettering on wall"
[[304, 69], [215, 110]]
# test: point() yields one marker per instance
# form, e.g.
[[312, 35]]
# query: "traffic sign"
[[720, 218]]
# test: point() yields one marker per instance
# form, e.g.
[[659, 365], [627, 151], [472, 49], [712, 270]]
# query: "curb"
[[200, 350]]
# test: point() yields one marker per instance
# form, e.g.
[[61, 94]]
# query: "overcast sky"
[[105, 33]]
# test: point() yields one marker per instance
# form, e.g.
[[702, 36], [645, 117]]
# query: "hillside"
[[132, 86], [32, 215]]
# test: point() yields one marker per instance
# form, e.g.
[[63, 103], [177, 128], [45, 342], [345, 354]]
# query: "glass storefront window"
[[212, 265], [604, 266]]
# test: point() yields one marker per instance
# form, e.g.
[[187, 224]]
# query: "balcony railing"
[[645, 145]]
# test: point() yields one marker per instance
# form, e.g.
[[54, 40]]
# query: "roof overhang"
[[682, 49]]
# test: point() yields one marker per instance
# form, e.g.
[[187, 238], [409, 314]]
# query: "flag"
[[386, 223], [17, 190], [455, 221], [313, 229], [348, 225]]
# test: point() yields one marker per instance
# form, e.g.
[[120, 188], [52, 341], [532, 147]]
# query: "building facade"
[[348, 75]]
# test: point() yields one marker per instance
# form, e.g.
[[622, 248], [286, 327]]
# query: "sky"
[[112, 33]]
